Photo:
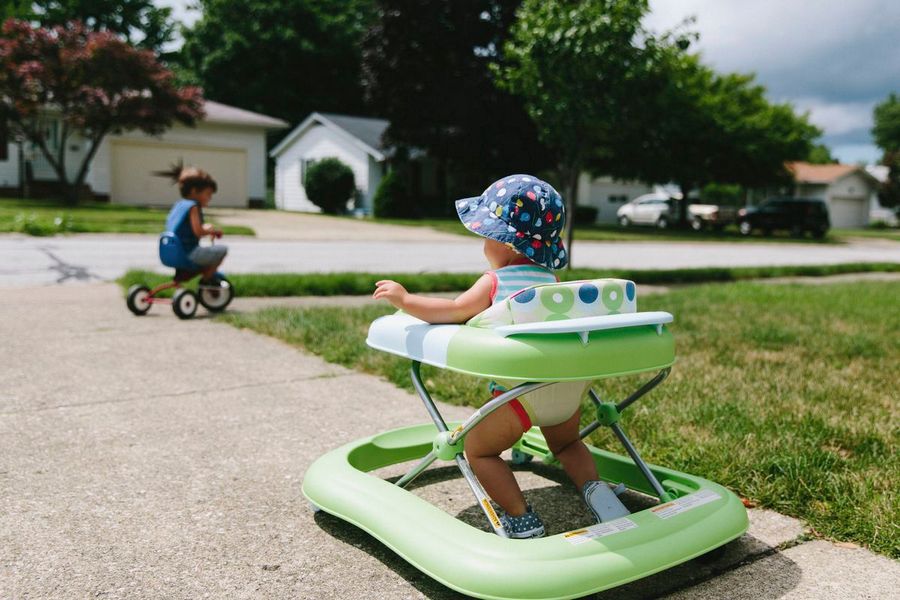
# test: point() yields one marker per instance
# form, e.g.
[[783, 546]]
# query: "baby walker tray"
[[573, 331]]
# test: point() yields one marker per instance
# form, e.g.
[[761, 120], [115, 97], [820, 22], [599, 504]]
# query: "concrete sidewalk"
[[127, 473]]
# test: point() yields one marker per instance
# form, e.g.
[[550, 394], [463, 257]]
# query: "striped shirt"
[[509, 280]]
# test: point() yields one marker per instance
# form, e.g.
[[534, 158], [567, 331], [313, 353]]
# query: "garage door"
[[133, 164], [849, 211]]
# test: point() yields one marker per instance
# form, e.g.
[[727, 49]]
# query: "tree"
[[886, 132], [280, 57], [330, 185], [821, 155], [140, 22], [580, 67], [15, 9], [426, 69], [96, 82], [699, 127], [886, 129]]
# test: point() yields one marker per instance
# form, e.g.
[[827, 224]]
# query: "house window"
[[617, 199], [305, 164]]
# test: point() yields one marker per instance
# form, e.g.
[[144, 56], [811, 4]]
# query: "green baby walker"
[[574, 331]]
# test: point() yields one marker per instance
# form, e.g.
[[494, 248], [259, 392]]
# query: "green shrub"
[[392, 198], [329, 185], [584, 215]]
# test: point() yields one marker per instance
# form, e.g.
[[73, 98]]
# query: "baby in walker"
[[185, 220], [522, 220]]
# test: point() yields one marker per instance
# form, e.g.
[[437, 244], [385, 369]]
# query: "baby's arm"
[[438, 310]]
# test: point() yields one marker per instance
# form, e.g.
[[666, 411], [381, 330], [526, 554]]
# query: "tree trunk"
[[570, 178], [60, 168], [683, 206], [86, 163]]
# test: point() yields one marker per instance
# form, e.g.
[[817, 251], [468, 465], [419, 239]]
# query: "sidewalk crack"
[[177, 394]]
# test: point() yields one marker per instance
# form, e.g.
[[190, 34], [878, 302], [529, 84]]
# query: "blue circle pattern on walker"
[[524, 213]]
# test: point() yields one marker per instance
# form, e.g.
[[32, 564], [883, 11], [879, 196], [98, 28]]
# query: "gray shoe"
[[603, 501], [524, 526]]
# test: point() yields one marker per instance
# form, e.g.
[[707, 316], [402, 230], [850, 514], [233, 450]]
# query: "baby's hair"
[[188, 178]]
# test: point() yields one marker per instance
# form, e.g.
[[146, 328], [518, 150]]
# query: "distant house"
[[607, 195], [355, 141], [849, 190], [229, 142], [878, 213]]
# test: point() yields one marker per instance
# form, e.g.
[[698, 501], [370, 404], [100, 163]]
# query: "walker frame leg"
[[615, 410]]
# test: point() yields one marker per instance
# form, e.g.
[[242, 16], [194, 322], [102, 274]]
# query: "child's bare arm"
[[200, 229], [438, 310]]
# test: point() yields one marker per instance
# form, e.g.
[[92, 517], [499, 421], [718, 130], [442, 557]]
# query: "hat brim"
[[495, 228]]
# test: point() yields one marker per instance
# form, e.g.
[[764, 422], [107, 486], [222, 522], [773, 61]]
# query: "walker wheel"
[[184, 304], [138, 299], [216, 298], [520, 458]]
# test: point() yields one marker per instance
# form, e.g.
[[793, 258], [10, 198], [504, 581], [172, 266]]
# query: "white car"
[[649, 209], [661, 210]]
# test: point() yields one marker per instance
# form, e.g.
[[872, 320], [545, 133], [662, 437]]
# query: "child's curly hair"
[[188, 179]]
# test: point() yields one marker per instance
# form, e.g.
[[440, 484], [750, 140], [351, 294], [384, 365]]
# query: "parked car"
[[797, 215], [661, 210], [711, 216], [649, 209]]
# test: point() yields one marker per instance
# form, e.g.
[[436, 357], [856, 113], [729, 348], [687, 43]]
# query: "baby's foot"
[[524, 526], [603, 501]]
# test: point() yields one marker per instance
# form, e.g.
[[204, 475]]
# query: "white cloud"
[[834, 58], [837, 118]]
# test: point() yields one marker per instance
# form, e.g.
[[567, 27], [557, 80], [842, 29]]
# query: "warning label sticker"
[[684, 504], [580, 536], [492, 515]]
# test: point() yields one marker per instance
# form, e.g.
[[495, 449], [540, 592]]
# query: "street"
[[67, 259]]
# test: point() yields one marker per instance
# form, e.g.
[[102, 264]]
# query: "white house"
[[848, 190], [607, 194], [355, 141], [229, 143]]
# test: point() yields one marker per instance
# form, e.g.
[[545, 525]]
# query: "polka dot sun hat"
[[524, 213]]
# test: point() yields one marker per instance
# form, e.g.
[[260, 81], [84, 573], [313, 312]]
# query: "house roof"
[[216, 112], [365, 132], [805, 172]]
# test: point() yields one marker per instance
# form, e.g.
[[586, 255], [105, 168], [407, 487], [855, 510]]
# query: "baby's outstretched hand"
[[391, 291]]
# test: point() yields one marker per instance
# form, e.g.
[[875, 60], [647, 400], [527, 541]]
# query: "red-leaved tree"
[[94, 82]]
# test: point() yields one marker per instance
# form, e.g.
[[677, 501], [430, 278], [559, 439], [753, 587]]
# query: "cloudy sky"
[[833, 58]]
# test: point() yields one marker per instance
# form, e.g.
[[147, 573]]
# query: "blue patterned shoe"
[[603, 501], [524, 526]]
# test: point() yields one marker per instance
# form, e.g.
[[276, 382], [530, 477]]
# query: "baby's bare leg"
[[496, 433], [564, 443]]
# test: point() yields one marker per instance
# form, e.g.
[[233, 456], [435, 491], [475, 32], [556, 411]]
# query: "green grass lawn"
[[337, 284], [46, 217], [874, 232], [785, 393]]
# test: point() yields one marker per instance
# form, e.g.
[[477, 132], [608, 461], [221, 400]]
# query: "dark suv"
[[797, 215]]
